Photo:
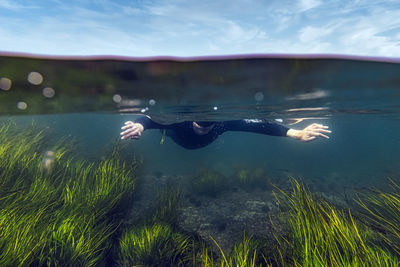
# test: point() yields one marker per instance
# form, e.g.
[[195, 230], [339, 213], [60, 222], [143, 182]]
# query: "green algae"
[[209, 183], [251, 178]]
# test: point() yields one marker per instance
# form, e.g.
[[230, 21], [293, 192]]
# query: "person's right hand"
[[309, 133], [132, 130]]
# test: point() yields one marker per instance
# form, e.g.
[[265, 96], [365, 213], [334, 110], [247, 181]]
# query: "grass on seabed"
[[321, 235], [156, 241], [382, 213], [56, 210]]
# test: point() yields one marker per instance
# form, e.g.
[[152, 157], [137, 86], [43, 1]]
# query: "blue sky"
[[141, 28]]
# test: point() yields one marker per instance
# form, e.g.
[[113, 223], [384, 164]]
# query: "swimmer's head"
[[205, 123], [202, 127]]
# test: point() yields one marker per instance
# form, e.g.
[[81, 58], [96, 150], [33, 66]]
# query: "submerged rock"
[[228, 217]]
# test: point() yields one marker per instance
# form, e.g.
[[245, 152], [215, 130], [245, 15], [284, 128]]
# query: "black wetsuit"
[[183, 134]]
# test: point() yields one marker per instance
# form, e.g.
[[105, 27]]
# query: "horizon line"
[[204, 58]]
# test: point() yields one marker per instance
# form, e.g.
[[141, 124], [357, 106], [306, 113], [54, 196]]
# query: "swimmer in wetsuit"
[[192, 135]]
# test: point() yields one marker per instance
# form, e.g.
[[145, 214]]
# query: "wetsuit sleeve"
[[256, 126], [148, 123]]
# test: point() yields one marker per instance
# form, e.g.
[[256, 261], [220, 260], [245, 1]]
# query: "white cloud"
[[190, 28], [232, 32], [310, 33], [10, 5], [305, 5], [367, 34]]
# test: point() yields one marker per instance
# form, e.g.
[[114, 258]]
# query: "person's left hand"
[[309, 133], [132, 130]]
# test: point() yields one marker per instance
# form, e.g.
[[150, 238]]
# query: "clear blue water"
[[91, 99]]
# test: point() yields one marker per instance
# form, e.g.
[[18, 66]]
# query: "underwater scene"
[[213, 177]]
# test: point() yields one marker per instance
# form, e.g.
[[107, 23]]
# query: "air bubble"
[[117, 98], [259, 96], [22, 105], [35, 78], [48, 160], [49, 92], [5, 83]]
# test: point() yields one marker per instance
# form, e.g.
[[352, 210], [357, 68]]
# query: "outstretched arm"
[[260, 126], [309, 133]]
